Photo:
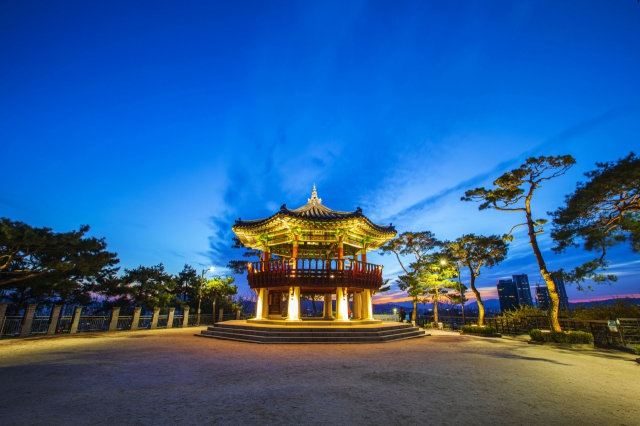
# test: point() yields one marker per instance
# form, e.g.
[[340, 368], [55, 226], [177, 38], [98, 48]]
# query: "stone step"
[[314, 329], [298, 333], [292, 334], [312, 339]]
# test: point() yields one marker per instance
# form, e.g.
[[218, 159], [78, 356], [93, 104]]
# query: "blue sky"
[[159, 123]]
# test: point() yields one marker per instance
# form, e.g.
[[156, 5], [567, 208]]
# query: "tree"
[[418, 245], [218, 286], [514, 193], [601, 213], [27, 252], [474, 252], [434, 273], [313, 298], [240, 266], [187, 283], [149, 287]]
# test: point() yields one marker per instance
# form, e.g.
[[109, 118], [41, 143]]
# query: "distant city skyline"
[[159, 125]]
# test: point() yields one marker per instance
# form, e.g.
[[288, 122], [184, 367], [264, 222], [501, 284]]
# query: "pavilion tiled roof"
[[314, 210]]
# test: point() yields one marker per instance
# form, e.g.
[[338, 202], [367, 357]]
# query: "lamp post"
[[204, 271]]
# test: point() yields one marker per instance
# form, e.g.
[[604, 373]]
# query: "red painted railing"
[[314, 273]]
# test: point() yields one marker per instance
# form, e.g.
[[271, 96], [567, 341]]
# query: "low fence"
[[30, 324], [625, 331]]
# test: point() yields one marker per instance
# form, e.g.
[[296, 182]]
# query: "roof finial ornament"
[[314, 196]]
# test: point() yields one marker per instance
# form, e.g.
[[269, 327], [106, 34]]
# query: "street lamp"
[[204, 271]]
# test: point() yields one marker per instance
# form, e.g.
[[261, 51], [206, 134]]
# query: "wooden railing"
[[314, 273]]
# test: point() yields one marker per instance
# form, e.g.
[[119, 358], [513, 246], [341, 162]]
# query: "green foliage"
[[622, 308], [536, 335], [478, 329], [636, 349], [601, 213], [522, 312], [474, 252], [240, 266], [149, 287], [64, 258], [509, 192], [513, 192], [572, 337], [187, 283], [417, 245]]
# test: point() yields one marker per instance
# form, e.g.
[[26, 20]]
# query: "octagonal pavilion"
[[314, 250]]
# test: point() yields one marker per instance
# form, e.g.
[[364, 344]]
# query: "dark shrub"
[[536, 335], [573, 337], [478, 330]]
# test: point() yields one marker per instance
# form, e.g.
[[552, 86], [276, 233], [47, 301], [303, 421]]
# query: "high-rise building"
[[544, 300], [542, 294], [524, 291], [514, 292], [508, 295], [562, 291]]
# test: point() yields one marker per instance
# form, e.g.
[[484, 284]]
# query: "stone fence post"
[[154, 319], [27, 320], [75, 320], [220, 315], [54, 319], [238, 314], [185, 317], [3, 313], [135, 321], [170, 317], [113, 320]]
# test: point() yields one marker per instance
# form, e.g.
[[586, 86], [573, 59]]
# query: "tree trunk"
[[551, 286], [435, 307], [213, 312], [472, 284], [415, 310], [20, 305]]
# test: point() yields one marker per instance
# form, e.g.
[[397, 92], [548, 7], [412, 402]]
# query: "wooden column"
[[356, 305], [342, 304], [260, 314], [340, 255], [293, 304], [367, 311], [328, 307]]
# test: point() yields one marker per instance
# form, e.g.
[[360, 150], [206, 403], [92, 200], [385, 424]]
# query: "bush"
[[478, 330], [636, 349], [622, 308], [572, 337], [536, 335]]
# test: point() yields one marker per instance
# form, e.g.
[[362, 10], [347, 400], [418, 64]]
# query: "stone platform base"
[[314, 322], [303, 332]]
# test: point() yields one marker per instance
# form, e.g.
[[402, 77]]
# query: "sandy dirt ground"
[[172, 377]]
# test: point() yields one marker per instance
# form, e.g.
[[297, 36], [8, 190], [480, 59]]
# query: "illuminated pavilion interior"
[[314, 250]]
